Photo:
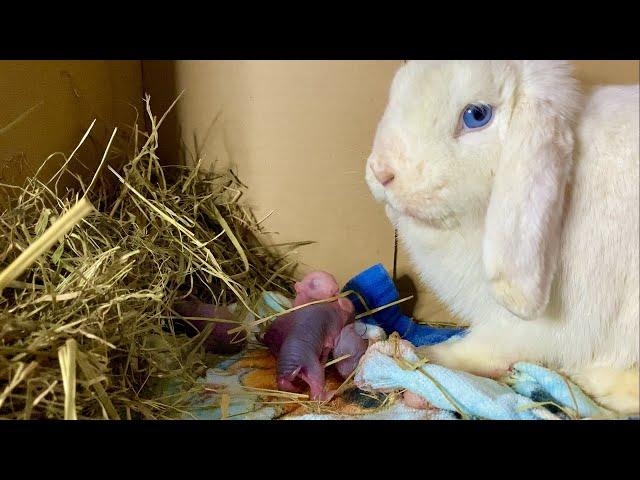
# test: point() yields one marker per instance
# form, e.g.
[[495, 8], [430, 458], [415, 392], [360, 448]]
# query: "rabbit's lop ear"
[[524, 217]]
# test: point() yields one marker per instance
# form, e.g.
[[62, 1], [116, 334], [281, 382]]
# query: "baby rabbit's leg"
[[286, 385], [313, 375], [614, 389], [473, 354]]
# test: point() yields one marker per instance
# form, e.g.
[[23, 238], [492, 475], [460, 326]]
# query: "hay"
[[86, 325]]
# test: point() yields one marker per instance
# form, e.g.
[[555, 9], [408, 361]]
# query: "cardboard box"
[[46, 106]]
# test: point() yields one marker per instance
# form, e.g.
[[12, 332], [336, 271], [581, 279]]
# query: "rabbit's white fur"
[[528, 228]]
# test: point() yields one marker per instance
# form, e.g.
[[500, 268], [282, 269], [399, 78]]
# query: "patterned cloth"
[[243, 385], [241, 388]]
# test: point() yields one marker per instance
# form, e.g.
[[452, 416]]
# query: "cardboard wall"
[[46, 107], [298, 133], [603, 72]]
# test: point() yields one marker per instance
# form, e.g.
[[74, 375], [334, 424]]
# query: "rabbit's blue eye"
[[476, 116]]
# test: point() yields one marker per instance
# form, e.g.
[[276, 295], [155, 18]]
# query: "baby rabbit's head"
[[487, 142], [317, 285]]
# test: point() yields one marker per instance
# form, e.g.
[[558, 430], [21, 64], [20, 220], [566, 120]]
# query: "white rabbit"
[[516, 197]]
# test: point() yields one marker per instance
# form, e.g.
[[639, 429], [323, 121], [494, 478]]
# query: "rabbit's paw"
[[469, 356], [615, 389]]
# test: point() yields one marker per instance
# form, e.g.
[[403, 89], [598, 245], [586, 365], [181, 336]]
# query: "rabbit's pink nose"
[[384, 175]]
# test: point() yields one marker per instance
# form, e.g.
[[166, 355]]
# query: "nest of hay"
[[87, 327]]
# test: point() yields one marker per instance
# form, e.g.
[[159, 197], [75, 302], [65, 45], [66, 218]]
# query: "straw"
[[87, 327]]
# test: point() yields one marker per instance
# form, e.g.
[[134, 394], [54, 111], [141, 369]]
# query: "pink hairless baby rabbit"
[[303, 340], [353, 342], [315, 286], [306, 349], [219, 341]]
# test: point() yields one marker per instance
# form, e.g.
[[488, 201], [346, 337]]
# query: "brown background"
[[67, 96], [298, 132]]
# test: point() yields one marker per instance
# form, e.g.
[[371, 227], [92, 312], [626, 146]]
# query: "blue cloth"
[[546, 386], [451, 390], [377, 289], [530, 392]]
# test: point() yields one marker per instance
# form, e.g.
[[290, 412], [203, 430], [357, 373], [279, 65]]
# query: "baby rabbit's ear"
[[524, 217]]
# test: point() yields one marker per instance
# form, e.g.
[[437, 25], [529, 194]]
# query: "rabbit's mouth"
[[434, 214], [424, 207]]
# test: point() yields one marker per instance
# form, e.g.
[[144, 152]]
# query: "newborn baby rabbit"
[[219, 341], [517, 199], [306, 348], [315, 286], [303, 340]]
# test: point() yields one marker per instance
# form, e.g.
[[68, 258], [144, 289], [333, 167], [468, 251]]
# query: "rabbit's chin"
[[437, 222]]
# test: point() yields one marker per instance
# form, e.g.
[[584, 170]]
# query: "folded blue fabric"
[[531, 392], [546, 386], [377, 289], [472, 396]]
